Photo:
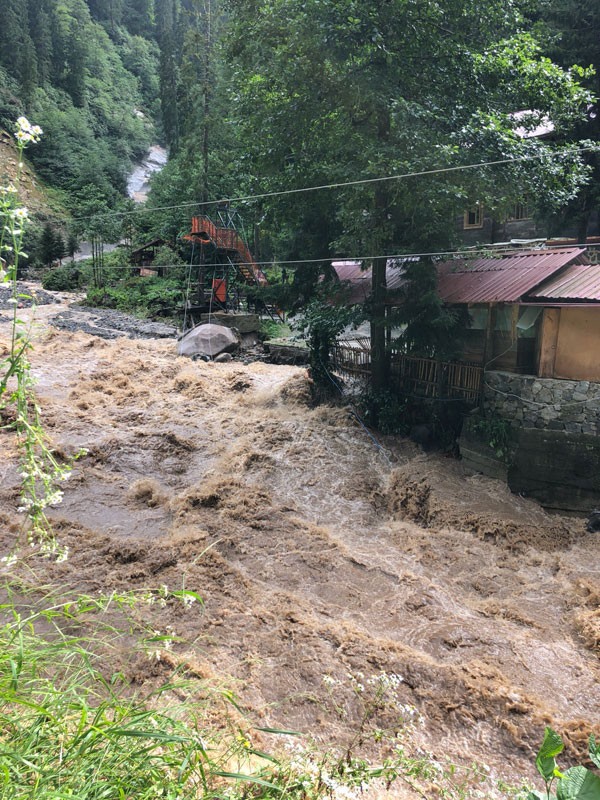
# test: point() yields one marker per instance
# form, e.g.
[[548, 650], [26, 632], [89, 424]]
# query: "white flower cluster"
[[33, 506], [26, 132], [166, 643], [386, 680]]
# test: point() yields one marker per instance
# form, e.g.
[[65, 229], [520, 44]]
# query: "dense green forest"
[[254, 97]]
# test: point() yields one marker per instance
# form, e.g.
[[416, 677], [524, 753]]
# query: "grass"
[[70, 728]]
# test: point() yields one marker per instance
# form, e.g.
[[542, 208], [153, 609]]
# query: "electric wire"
[[466, 254], [343, 184], [354, 413]]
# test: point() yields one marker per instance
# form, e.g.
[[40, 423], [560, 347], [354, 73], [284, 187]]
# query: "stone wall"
[[552, 447], [543, 403]]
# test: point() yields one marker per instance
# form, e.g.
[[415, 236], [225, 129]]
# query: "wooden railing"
[[353, 357], [422, 377]]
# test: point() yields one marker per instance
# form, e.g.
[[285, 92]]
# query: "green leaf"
[[578, 783], [551, 747], [161, 737], [594, 749], [535, 795], [238, 776], [279, 731]]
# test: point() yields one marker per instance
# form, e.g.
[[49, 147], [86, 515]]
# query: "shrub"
[[66, 278]]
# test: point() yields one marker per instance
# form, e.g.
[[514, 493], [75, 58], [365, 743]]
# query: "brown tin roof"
[[577, 282], [558, 275], [502, 280], [358, 280]]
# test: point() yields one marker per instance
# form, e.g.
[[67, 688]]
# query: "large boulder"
[[208, 339]]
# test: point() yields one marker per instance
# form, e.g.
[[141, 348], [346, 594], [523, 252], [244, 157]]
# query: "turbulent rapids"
[[317, 555]]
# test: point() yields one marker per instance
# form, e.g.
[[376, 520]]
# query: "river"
[[138, 183], [138, 188]]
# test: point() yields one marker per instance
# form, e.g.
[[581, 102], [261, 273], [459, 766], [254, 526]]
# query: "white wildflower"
[[20, 214], [10, 560], [26, 132]]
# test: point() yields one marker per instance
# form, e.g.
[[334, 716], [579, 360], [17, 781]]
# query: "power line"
[[476, 252], [341, 185]]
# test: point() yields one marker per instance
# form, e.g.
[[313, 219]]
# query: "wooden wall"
[[578, 344]]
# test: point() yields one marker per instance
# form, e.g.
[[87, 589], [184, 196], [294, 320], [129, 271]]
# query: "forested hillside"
[[87, 73], [275, 96]]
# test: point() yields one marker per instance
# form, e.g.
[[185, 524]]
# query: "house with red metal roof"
[[534, 312], [530, 365]]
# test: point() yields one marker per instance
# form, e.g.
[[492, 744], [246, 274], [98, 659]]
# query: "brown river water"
[[316, 553]]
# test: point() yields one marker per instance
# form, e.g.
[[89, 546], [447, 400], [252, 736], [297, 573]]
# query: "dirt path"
[[316, 554]]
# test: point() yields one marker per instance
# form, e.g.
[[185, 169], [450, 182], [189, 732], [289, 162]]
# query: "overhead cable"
[[340, 185]]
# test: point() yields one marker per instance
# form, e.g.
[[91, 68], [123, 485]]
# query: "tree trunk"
[[379, 355], [379, 352]]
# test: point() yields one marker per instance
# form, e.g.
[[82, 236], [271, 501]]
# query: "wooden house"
[[535, 312]]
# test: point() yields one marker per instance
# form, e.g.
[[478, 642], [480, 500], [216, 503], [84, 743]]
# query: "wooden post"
[[488, 347], [548, 342]]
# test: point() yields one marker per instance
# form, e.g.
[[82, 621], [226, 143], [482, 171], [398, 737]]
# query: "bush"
[[143, 296], [386, 411], [66, 278]]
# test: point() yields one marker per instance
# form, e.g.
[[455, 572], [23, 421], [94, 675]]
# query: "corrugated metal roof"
[[501, 280], [358, 280], [577, 282]]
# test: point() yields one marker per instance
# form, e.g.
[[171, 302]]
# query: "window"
[[519, 211], [474, 216]]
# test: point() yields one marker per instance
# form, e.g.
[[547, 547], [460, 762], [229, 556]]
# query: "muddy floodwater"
[[317, 553]]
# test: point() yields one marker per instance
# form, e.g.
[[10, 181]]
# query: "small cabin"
[[533, 312]]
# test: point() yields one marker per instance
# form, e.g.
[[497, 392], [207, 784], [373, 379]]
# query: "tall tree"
[[167, 33], [332, 91], [574, 26]]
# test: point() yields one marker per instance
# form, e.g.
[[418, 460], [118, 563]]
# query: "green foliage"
[[429, 328], [321, 323], [62, 279], [143, 296], [269, 329], [576, 783], [41, 471], [386, 410], [494, 431], [71, 729], [87, 90]]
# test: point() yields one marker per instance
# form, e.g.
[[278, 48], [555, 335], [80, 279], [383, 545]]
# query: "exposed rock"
[[208, 339]]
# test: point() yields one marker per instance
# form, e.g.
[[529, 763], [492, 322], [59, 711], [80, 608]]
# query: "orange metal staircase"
[[231, 244]]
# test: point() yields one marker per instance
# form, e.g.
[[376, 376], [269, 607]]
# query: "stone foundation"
[[551, 447], [543, 403]]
